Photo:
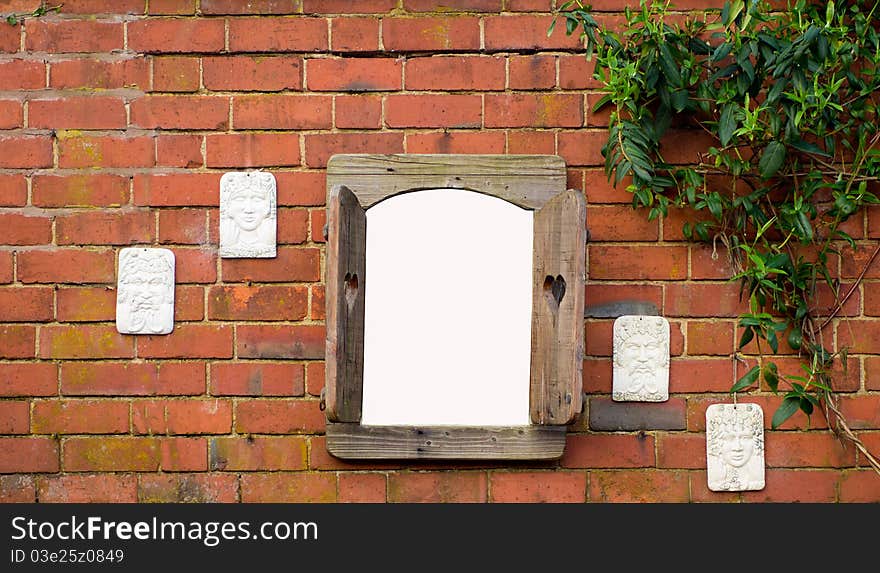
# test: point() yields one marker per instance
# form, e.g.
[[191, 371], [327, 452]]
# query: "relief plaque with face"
[[735, 447], [641, 359], [145, 291], [247, 215]]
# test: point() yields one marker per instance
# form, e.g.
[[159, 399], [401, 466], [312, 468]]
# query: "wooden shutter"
[[346, 263], [556, 392]]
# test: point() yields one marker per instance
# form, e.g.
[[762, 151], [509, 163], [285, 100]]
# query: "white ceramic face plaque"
[[145, 291], [735, 447], [247, 215], [641, 359]]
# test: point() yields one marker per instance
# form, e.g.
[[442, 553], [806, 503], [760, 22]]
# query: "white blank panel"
[[447, 326]]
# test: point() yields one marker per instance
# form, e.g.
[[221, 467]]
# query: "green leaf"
[[771, 159], [771, 376], [727, 123], [808, 147], [795, 338], [747, 336], [746, 380], [785, 411]]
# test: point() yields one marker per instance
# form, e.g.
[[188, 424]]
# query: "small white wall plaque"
[[145, 291], [735, 447], [641, 359], [247, 215]]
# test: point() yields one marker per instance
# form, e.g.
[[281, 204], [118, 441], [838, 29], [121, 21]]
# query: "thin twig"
[[852, 289]]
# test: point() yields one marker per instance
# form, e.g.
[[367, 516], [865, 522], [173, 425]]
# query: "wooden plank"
[[559, 266], [528, 181], [354, 441], [346, 263]]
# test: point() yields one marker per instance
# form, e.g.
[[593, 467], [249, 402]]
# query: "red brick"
[[172, 7], [29, 304], [252, 150], [86, 304], [79, 417], [66, 266], [189, 341], [320, 147], [6, 270], [188, 488], [28, 455], [860, 412], [433, 110], [524, 32], [708, 266], [854, 261], [304, 188], [681, 450], [534, 110], [354, 34], [456, 142], [358, 112], [22, 75], [437, 487], [105, 151], [318, 221], [269, 34], [105, 228], [680, 146], [176, 74], [270, 303], [282, 112], [673, 225], [315, 378], [74, 36], [806, 449], [539, 487], [584, 148], [177, 189], [195, 266], [859, 486], [103, 7], [15, 417], [269, 341], [184, 454], [597, 376], [291, 265], [252, 73], [288, 488], [620, 223], [198, 416], [27, 379], [131, 379], [17, 341], [362, 487], [11, 114], [872, 373], [279, 417], [859, 336], [602, 293], [256, 379], [598, 338], [26, 151], [167, 35], [354, 74], [795, 486], [343, 6], [100, 74], [179, 150], [13, 190], [80, 191], [10, 38], [17, 229], [293, 226], [318, 311], [180, 112], [531, 143], [84, 341], [17, 489], [597, 117], [873, 229], [639, 487], [637, 262], [452, 5], [251, 7], [449, 73], [183, 226], [533, 72], [431, 34], [256, 454], [709, 300], [110, 454], [702, 375], [608, 451], [189, 303], [712, 338], [96, 488]]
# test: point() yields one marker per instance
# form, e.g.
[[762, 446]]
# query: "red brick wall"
[[117, 119]]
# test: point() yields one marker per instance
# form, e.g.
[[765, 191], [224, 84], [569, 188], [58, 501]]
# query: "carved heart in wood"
[[351, 289], [554, 290]]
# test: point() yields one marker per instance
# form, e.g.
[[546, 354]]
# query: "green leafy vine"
[[788, 101], [17, 18]]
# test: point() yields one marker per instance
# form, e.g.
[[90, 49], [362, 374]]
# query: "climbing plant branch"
[[18, 17], [789, 101]]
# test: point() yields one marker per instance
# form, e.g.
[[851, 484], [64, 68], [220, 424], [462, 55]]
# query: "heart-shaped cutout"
[[351, 289], [554, 290]]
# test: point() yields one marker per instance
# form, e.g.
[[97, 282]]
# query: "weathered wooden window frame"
[[355, 182]]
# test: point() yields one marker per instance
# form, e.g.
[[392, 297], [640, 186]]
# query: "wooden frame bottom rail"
[[356, 441]]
